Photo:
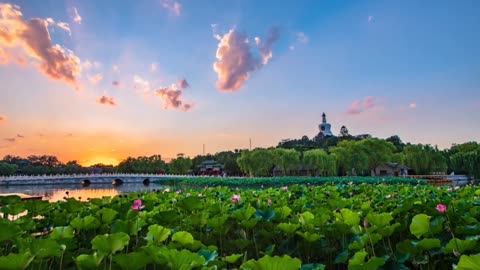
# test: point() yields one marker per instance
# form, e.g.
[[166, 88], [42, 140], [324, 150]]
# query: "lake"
[[55, 193]]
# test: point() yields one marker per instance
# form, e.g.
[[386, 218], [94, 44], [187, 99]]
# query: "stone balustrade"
[[81, 178]]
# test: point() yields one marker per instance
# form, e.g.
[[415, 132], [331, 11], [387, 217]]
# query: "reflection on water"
[[55, 193]]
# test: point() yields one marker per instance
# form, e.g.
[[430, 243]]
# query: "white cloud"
[[141, 84], [76, 16]]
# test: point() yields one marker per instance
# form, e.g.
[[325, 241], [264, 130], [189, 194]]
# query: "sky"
[[97, 81]]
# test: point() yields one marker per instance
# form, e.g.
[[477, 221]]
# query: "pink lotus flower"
[[388, 196], [449, 189], [200, 196], [187, 195], [236, 198], [137, 205], [179, 191], [269, 202], [457, 188], [365, 224], [285, 188], [350, 183], [441, 208]]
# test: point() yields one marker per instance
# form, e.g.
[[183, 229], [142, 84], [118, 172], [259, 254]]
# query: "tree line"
[[321, 156]]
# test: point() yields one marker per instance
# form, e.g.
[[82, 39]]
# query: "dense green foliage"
[[152, 164], [283, 181], [323, 156], [8, 169], [180, 165], [341, 226]]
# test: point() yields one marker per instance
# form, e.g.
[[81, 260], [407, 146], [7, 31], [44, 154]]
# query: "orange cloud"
[[12, 140], [65, 26], [96, 78], [172, 96], [104, 100], [31, 39], [235, 59]]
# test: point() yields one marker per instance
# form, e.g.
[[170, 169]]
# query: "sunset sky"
[[97, 81]]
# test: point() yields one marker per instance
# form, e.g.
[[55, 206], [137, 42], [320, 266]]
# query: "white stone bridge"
[[84, 179]]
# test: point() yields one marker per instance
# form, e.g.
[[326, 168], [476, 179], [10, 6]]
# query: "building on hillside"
[[211, 168], [390, 169]]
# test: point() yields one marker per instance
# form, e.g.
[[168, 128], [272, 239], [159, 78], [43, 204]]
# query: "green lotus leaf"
[[310, 237], [429, 243], [312, 266], [44, 248], [132, 261], [436, 225], [249, 223], [110, 243], [209, 255], [471, 262], [273, 263], [157, 234], [13, 209], [183, 238], [8, 230], [16, 261], [86, 223], [379, 220], [358, 262], [288, 228], [306, 218], [217, 223], [182, 260], [420, 225], [36, 207], [87, 262], [10, 199], [190, 203], [267, 215], [233, 258], [342, 257], [460, 245], [349, 217], [244, 213], [107, 215], [63, 232], [120, 226], [283, 212]]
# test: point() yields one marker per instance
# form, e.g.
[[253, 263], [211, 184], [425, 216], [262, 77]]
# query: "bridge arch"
[[146, 181], [117, 182], [86, 182]]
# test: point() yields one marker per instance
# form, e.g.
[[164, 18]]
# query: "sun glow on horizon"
[[99, 160]]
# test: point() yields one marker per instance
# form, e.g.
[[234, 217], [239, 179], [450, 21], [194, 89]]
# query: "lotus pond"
[[341, 226]]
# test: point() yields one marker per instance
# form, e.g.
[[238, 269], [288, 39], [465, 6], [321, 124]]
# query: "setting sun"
[[99, 160]]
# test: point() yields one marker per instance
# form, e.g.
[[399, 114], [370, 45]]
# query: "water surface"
[[55, 193]]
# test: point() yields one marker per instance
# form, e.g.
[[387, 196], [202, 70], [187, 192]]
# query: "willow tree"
[[319, 162], [286, 159], [425, 159], [258, 162], [351, 158]]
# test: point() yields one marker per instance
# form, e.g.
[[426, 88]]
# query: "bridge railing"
[[93, 175]]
